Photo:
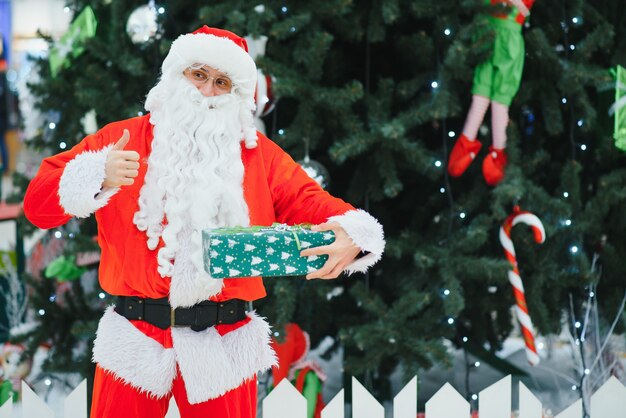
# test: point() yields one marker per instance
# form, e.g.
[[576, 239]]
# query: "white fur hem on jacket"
[[135, 358], [367, 233], [80, 186], [210, 364]]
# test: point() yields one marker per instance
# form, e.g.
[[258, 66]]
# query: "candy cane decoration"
[[521, 308]]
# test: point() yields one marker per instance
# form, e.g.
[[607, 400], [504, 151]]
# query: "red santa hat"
[[217, 48]]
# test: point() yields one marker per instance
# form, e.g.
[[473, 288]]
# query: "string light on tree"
[[447, 32], [442, 190], [573, 249], [450, 321], [462, 215], [565, 194], [434, 84], [564, 100], [438, 163], [451, 134], [580, 122], [465, 339]]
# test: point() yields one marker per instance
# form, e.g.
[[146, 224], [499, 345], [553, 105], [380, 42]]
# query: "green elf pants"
[[499, 77]]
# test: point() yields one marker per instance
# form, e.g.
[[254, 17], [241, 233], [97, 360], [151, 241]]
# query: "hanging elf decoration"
[[293, 364], [521, 309], [496, 82]]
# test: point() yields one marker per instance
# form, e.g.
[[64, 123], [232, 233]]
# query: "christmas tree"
[[376, 91]]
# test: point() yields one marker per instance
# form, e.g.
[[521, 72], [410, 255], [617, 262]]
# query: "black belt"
[[159, 313]]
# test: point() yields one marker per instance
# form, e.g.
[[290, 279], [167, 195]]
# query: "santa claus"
[[154, 183]]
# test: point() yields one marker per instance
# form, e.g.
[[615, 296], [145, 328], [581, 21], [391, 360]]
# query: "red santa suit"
[[208, 371]]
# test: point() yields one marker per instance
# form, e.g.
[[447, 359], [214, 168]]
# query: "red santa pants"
[[113, 398]]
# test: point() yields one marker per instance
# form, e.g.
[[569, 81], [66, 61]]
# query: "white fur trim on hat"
[[217, 52], [80, 186], [133, 357], [366, 233]]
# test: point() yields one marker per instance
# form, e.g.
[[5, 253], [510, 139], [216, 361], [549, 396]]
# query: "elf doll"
[[496, 81], [306, 375]]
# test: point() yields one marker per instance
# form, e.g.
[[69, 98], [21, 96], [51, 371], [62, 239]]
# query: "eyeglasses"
[[199, 76]]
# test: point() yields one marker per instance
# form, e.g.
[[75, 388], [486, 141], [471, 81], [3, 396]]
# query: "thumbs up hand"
[[121, 166]]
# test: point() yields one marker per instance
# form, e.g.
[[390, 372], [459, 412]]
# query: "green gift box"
[[262, 251]]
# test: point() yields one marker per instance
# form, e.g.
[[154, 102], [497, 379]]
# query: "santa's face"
[[209, 81]]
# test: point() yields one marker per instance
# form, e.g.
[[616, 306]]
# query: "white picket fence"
[[286, 402]]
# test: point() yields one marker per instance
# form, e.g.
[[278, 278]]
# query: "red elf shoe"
[[493, 166], [462, 155]]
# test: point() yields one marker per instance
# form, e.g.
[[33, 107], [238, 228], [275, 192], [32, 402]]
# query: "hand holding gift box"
[[262, 251], [278, 250]]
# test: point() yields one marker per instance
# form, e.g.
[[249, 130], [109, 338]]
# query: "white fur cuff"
[[367, 233], [80, 192]]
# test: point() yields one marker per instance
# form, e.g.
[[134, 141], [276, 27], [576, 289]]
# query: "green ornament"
[[619, 108], [64, 269], [73, 42], [6, 391]]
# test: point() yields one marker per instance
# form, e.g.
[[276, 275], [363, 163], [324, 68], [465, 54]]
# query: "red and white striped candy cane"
[[520, 216]]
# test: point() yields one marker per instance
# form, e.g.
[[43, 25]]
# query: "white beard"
[[194, 181]]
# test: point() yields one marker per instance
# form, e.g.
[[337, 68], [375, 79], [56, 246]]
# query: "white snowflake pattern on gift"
[[214, 253], [272, 239], [328, 236], [215, 242], [256, 260], [231, 243], [255, 272], [249, 247], [284, 255], [273, 267], [305, 244], [233, 272], [257, 234], [288, 240], [217, 270], [270, 250], [312, 258], [290, 269], [310, 269], [230, 258]]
